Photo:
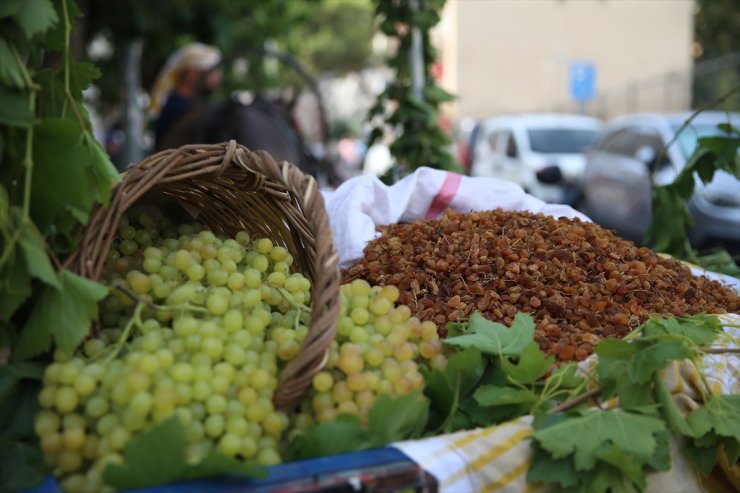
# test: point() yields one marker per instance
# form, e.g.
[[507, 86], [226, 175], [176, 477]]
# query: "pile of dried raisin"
[[579, 281]]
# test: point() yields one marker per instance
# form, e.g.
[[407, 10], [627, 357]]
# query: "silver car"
[[617, 180]]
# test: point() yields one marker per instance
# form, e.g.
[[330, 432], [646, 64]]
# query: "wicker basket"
[[229, 188]]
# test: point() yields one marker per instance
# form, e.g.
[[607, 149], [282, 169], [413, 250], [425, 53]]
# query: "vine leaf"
[[39, 266], [531, 366], [157, 456], [721, 415], [64, 314], [11, 72], [36, 17], [14, 110], [70, 175], [585, 436], [494, 338]]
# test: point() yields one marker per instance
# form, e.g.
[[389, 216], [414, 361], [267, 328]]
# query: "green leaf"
[[720, 414], [494, 338], [39, 266], [19, 387], [656, 356], [81, 76], [489, 395], [613, 377], [627, 464], [544, 469], [14, 108], [10, 7], [64, 314], [15, 285], [69, 176], [583, 436], [615, 349], [344, 435], [467, 367], [391, 419], [486, 415], [701, 329], [157, 456], [35, 17], [21, 466], [704, 458], [661, 460], [567, 376], [532, 365], [11, 72]]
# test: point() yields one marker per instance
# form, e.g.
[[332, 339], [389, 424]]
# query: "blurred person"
[[189, 76]]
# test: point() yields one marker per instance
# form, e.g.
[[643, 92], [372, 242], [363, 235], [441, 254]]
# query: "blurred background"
[[526, 90]]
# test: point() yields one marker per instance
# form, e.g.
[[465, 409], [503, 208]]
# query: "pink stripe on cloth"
[[444, 197]]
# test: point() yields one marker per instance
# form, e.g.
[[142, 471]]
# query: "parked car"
[[617, 183], [516, 147]]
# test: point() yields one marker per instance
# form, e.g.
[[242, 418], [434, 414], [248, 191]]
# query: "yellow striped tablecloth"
[[496, 459]]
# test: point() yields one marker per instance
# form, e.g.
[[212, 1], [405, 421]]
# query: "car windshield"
[[688, 139], [561, 140]]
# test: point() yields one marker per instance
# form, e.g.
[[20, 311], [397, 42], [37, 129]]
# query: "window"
[[561, 140]]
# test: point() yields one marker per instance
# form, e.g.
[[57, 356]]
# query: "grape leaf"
[[647, 361], [392, 419], [346, 434], [69, 175], [36, 17], [39, 266], [157, 456], [544, 469], [11, 71], [14, 108], [702, 329], [10, 7], [566, 376], [19, 387], [64, 314], [467, 368], [531, 366], [490, 395], [704, 458], [627, 464], [583, 436], [15, 285], [494, 338], [720, 414], [21, 466], [615, 349], [485, 415], [613, 378], [447, 388]]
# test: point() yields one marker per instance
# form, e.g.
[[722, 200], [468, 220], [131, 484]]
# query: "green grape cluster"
[[379, 349], [198, 326]]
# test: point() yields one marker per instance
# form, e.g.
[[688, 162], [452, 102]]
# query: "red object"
[[444, 197]]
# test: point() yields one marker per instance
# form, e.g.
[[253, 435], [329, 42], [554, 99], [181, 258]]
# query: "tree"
[[409, 108]]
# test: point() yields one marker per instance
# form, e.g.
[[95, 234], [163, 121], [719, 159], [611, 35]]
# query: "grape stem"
[[291, 301], [139, 300], [591, 394], [134, 320]]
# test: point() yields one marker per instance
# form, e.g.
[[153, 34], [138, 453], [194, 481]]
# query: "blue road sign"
[[582, 81]]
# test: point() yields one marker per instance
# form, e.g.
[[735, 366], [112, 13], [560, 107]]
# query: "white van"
[[516, 147]]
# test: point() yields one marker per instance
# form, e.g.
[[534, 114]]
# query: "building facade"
[[502, 56]]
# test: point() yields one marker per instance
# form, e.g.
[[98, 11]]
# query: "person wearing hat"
[[190, 74]]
